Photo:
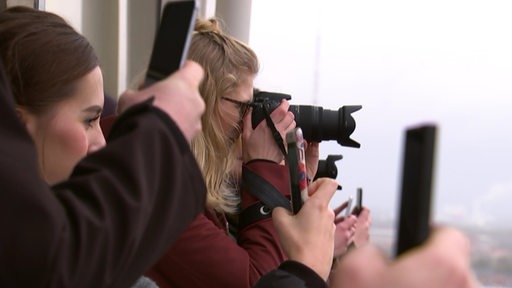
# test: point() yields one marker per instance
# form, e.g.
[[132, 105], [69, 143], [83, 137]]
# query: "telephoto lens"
[[320, 124], [317, 124]]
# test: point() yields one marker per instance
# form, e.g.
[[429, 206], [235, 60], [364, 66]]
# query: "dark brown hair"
[[43, 57]]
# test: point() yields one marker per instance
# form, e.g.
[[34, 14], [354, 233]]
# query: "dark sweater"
[[118, 213]]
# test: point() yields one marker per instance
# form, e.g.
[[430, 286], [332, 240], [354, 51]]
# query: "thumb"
[[323, 189], [192, 72], [281, 216], [354, 271], [127, 99]]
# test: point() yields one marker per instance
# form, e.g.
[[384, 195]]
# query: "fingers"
[[352, 222], [353, 230], [348, 222], [364, 217], [247, 120], [281, 216], [444, 260], [365, 213], [124, 101], [312, 149], [192, 72], [280, 112], [339, 219], [450, 241], [283, 119], [312, 157], [361, 267], [340, 208], [262, 143], [323, 189]]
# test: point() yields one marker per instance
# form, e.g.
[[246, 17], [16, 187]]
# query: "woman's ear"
[[22, 114], [27, 118]]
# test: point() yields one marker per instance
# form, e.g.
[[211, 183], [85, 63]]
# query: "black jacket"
[[291, 274], [116, 215]]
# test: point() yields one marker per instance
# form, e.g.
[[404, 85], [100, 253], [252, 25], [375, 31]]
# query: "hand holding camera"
[[259, 143], [316, 122]]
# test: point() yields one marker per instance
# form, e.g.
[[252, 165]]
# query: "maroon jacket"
[[118, 213], [206, 256]]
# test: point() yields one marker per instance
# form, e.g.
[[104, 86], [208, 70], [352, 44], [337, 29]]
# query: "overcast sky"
[[406, 62]]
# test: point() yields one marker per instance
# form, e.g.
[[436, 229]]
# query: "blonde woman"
[[206, 255]]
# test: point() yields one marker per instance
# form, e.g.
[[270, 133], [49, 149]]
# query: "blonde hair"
[[226, 63]]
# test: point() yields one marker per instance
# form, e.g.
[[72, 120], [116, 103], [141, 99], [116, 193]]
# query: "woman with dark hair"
[[70, 221], [59, 99]]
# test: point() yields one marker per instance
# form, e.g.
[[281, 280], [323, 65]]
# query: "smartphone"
[[296, 161], [172, 39], [359, 202], [349, 207], [416, 193]]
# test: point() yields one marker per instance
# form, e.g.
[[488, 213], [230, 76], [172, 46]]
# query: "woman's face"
[[231, 111], [68, 132]]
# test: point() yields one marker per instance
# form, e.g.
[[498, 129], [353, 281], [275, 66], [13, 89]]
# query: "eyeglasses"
[[242, 106]]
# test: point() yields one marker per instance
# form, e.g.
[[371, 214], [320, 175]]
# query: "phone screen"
[[172, 39]]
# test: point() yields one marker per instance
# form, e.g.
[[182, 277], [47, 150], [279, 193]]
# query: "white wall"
[[99, 21], [121, 32], [71, 10]]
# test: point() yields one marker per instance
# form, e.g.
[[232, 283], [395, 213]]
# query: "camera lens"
[[317, 123], [321, 124]]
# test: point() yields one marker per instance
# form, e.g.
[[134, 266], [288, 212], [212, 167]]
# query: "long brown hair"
[[226, 63], [43, 57]]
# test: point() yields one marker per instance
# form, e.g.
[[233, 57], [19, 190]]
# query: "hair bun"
[[208, 25]]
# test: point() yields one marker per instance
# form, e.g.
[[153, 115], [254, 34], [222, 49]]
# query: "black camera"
[[327, 167], [316, 123]]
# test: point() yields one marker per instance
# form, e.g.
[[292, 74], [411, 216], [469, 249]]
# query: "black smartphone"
[[349, 206], [416, 193], [172, 39], [296, 161], [359, 202]]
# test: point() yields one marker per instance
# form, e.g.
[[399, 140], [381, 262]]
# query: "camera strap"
[[277, 136], [263, 190]]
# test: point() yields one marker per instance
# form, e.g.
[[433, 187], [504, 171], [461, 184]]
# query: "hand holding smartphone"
[[416, 194], [172, 39], [296, 161]]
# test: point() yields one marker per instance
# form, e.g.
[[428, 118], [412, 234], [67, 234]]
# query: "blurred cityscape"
[[491, 251]]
